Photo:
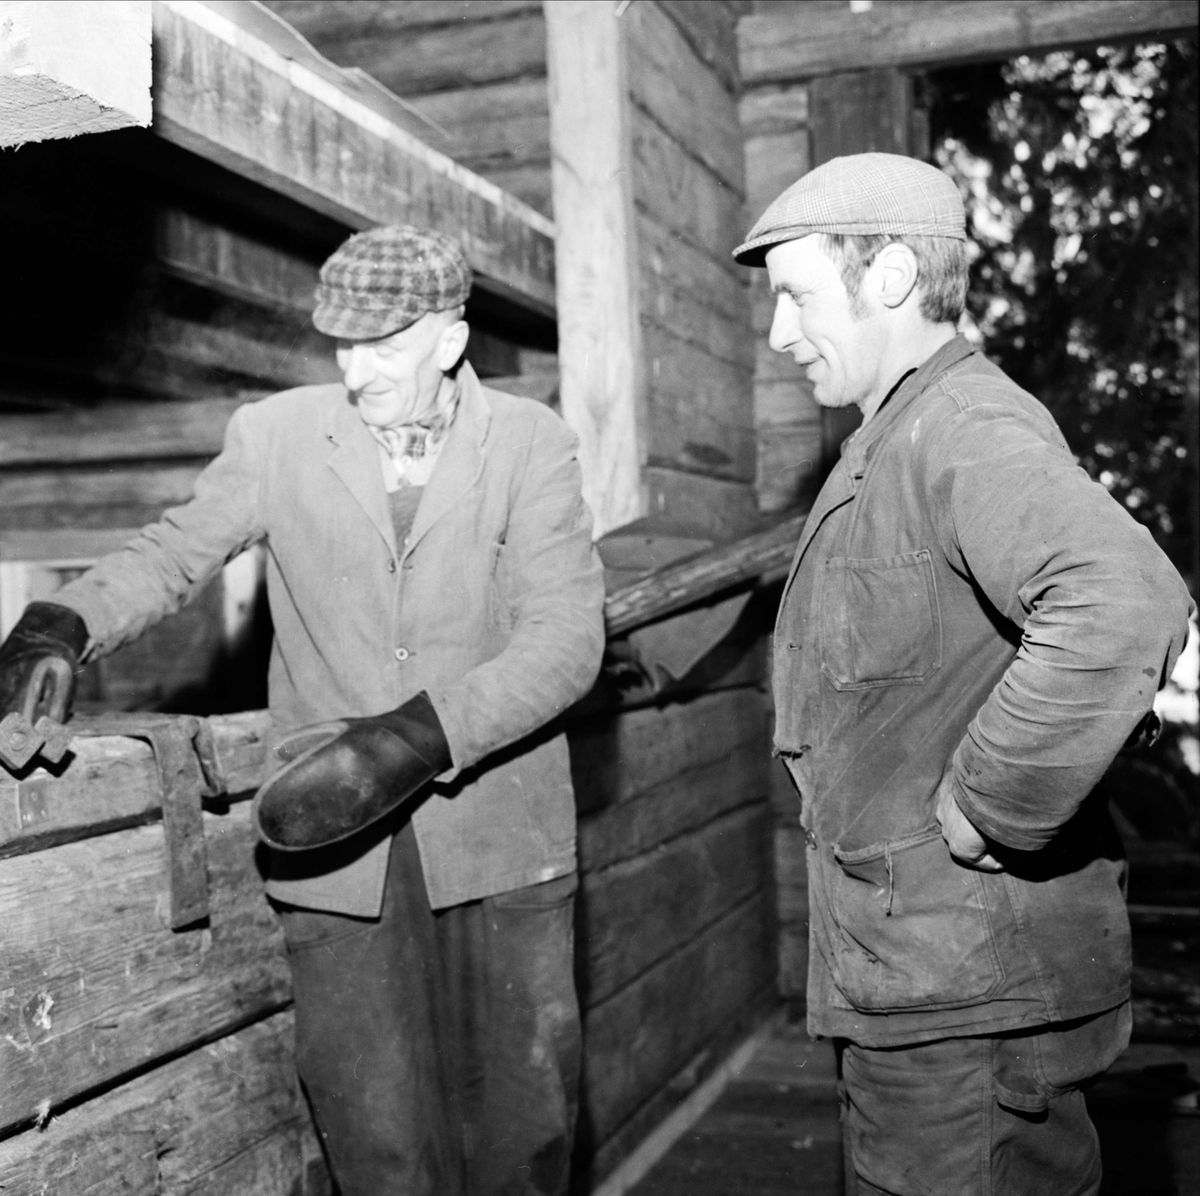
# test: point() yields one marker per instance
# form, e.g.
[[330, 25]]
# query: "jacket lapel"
[[461, 461], [355, 461]]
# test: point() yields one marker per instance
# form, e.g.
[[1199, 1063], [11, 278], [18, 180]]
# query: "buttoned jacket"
[[492, 605], [965, 602]]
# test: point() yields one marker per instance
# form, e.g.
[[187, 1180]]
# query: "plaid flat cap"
[[859, 195], [385, 279]]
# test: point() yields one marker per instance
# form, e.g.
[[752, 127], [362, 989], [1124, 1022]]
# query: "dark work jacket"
[[965, 599]]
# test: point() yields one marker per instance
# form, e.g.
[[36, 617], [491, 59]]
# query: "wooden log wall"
[[144, 1060]]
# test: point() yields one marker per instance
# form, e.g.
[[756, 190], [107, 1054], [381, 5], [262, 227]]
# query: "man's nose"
[[356, 366], [784, 329]]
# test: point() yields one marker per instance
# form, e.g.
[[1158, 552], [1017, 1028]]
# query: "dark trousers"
[[997, 1116], [440, 1051]]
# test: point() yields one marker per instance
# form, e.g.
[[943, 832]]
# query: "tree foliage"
[[1081, 175]]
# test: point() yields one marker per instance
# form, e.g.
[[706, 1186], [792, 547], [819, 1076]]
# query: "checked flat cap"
[[385, 279], [859, 195]]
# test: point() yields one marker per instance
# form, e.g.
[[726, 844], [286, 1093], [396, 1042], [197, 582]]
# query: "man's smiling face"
[[817, 323]]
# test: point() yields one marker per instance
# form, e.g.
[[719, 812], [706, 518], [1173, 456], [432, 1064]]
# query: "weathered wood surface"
[[644, 776], [707, 506], [680, 91], [799, 40], [96, 986], [116, 431], [643, 910], [226, 1119], [599, 336], [641, 1036], [216, 85], [765, 556]]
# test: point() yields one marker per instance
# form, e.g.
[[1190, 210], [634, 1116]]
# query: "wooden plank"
[[98, 988], [466, 53], [81, 496], [325, 22], [790, 464], [603, 382], [708, 506], [860, 111], [116, 431], [683, 194], [774, 161], [681, 804], [787, 42], [625, 757], [765, 556], [529, 183], [684, 291], [495, 124], [640, 911], [683, 94], [773, 109], [224, 1120], [233, 263], [710, 27], [218, 84], [641, 1036]]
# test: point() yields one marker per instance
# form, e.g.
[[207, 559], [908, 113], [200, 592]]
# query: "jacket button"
[[391, 566], [401, 654]]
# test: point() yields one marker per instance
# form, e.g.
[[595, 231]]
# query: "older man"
[[970, 632], [436, 595]]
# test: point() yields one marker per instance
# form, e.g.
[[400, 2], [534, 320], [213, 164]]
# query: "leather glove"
[[39, 660], [341, 776]]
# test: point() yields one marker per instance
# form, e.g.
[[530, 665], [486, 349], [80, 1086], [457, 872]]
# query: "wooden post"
[[597, 294], [71, 68]]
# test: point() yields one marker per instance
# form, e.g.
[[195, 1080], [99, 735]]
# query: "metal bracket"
[[173, 738]]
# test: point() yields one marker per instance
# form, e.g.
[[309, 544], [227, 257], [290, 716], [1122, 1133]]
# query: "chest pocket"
[[879, 621]]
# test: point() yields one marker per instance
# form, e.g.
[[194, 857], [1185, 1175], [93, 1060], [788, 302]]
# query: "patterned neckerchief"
[[414, 448]]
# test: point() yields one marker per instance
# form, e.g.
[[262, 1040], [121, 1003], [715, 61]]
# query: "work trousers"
[[995, 1116], [440, 1050]]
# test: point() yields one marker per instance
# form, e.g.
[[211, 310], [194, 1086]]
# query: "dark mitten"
[[340, 777], [39, 660]]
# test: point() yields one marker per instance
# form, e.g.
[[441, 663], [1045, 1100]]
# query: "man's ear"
[[452, 343], [895, 268]]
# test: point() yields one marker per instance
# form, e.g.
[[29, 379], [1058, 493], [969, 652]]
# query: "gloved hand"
[[341, 776], [39, 660]]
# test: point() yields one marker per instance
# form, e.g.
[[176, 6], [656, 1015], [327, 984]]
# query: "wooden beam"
[[67, 69], [599, 334], [797, 41], [221, 84]]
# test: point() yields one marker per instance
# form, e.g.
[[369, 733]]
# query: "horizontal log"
[[699, 505], [330, 21], [698, 794], [467, 53], [91, 495], [225, 1120], [621, 758], [116, 431], [711, 30], [790, 460], [766, 110], [764, 557], [795, 41], [640, 911], [682, 194], [774, 161], [219, 81], [680, 91], [233, 263], [685, 292], [98, 987], [641, 1036]]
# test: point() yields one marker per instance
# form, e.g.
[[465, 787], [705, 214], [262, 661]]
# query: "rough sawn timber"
[[218, 86], [797, 41]]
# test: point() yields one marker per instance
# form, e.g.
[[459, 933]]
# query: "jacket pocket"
[[913, 924], [879, 621]]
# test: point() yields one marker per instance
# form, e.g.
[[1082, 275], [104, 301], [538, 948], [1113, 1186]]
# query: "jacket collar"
[[842, 483], [355, 460]]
